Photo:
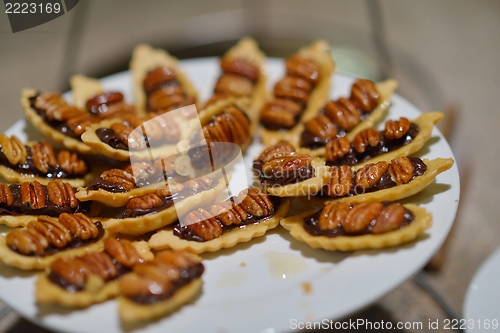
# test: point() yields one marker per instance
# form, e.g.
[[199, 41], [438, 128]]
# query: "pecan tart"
[[300, 94], [401, 178], [242, 76], [340, 226], [224, 224], [284, 173], [55, 118], [158, 81], [79, 282], [22, 203], [156, 210], [37, 245], [399, 138], [157, 288], [39, 161], [115, 187]]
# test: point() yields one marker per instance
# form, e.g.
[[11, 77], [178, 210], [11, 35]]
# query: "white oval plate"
[[274, 282], [482, 300]]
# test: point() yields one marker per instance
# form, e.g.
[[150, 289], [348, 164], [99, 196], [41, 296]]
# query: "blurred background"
[[443, 53]]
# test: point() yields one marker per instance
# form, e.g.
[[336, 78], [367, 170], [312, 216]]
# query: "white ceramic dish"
[[482, 301], [271, 283]]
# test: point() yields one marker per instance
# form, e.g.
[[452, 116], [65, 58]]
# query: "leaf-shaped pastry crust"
[[385, 88], [423, 221], [14, 259], [319, 53], [92, 140], [306, 187], [53, 134], [418, 184], [131, 312], [48, 292], [144, 59], [165, 239], [248, 49], [142, 224]]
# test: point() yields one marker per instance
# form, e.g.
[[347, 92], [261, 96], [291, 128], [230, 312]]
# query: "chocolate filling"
[[419, 168], [71, 288], [187, 233], [283, 178], [167, 201], [385, 146], [50, 209], [311, 225], [109, 137], [75, 243], [187, 275], [56, 124], [29, 167]]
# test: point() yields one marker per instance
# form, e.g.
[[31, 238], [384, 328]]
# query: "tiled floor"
[[445, 54]]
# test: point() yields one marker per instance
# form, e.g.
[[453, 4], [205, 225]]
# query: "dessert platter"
[[240, 194]]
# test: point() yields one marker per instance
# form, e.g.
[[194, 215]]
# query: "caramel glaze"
[[167, 201], [419, 168], [186, 233], [311, 225], [28, 167], [50, 209], [385, 146], [75, 243]]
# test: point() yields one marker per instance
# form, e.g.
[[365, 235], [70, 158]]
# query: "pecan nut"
[[228, 212], [369, 137], [6, 195], [165, 97], [56, 108], [293, 88], [321, 126], [361, 216], [179, 259], [391, 218], [157, 77], [230, 126], [13, 149], [281, 148], [149, 279], [395, 129], [79, 124], [333, 215], [234, 85], [72, 270], [101, 264], [123, 251], [280, 113], [340, 182], [203, 224], [370, 174], [343, 112], [120, 178], [364, 94], [33, 194], [71, 163], [43, 156], [337, 149], [240, 66], [304, 68], [122, 131], [61, 194], [57, 235], [27, 241], [255, 202], [401, 170], [79, 225], [284, 165], [145, 202]]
